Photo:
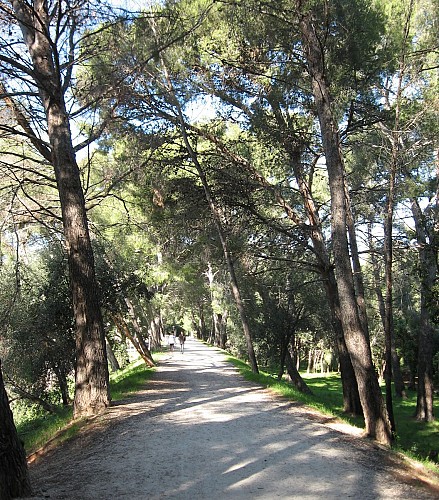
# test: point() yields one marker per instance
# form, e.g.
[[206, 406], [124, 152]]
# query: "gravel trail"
[[199, 431]]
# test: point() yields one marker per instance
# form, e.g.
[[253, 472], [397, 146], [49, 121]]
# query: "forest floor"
[[199, 431]]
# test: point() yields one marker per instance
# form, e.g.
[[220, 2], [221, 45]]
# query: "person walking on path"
[[182, 340], [171, 341]]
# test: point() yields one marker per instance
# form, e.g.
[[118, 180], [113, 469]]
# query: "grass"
[[130, 379], [38, 430], [418, 440]]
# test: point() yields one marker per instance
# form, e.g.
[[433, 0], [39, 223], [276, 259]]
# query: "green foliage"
[[38, 340]]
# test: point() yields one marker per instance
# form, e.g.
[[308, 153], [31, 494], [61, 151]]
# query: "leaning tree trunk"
[[138, 330], [114, 363], [215, 212], [14, 475], [227, 255], [125, 332], [375, 415], [91, 374], [294, 374]]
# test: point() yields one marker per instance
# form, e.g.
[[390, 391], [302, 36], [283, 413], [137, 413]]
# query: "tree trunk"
[[375, 415], [234, 285], [114, 363], [125, 331], [396, 367], [14, 475], [283, 355], [156, 329], [223, 331], [351, 398], [294, 375], [428, 268], [356, 266], [216, 215], [91, 374], [60, 373], [138, 330], [32, 397]]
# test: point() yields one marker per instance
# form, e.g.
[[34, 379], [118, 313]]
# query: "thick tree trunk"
[[428, 267], [14, 475], [375, 415], [91, 375]]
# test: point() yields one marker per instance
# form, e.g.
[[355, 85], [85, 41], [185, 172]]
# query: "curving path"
[[199, 431]]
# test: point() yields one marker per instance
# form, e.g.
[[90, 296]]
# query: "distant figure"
[[182, 340], [171, 341]]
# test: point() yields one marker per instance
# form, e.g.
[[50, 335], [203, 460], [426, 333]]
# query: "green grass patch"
[[130, 379], [38, 430], [419, 440]]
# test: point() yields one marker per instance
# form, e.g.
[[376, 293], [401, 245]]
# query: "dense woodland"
[[260, 174]]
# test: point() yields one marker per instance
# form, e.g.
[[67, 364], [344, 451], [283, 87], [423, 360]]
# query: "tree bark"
[[138, 330], [91, 373], [216, 215], [155, 328], [294, 375], [375, 415], [14, 474], [114, 363], [125, 331], [60, 373]]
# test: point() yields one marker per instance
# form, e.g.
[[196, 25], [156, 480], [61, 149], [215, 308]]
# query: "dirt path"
[[198, 431]]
